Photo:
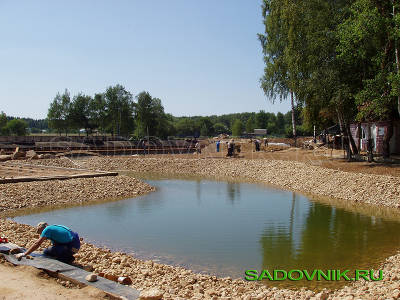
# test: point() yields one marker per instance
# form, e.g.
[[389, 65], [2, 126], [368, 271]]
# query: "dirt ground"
[[29, 283], [322, 158], [327, 158], [19, 169]]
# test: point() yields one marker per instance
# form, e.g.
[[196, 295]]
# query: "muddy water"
[[225, 228]]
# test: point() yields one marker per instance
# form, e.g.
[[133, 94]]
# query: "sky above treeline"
[[198, 57]]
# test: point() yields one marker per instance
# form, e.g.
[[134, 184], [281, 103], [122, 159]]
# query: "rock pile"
[[35, 194], [31, 154], [62, 161]]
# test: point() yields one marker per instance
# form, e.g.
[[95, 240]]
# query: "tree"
[[98, 111], [261, 119], [368, 43], [300, 47], [250, 125], [151, 118], [237, 128], [281, 44], [206, 126], [120, 110], [280, 123], [186, 127], [16, 127], [3, 124], [58, 113], [220, 128], [81, 113]]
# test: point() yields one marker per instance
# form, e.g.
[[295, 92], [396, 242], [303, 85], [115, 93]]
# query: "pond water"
[[225, 228]]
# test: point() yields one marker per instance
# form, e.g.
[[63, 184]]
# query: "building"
[[378, 132]]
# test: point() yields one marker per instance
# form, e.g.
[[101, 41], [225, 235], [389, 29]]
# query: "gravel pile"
[[372, 189], [36, 194], [63, 162]]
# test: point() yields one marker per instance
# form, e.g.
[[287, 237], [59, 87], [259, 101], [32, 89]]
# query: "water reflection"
[[228, 227], [198, 191], [327, 238], [233, 191]]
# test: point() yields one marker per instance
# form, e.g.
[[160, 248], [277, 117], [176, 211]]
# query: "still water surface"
[[225, 228]]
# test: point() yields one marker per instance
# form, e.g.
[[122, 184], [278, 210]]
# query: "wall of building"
[[378, 132]]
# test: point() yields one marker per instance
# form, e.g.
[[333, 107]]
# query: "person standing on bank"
[[257, 144], [65, 242], [231, 148]]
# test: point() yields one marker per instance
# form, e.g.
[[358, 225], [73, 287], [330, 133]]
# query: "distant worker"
[[198, 148], [65, 242], [231, 148], [257, 144], [265, 142], [217, 143]]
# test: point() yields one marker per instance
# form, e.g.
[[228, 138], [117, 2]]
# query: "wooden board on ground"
[[12, 173], [71, 273]]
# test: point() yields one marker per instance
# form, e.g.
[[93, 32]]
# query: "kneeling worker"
[[65, 242]]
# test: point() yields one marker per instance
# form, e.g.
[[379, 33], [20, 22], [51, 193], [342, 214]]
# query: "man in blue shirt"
[[65, 242]]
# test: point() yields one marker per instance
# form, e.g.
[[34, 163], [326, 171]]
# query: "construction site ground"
[[323, 156], [24, 171], [26, 282]]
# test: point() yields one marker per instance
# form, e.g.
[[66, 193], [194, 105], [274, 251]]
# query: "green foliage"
[[186, 127], [58, 113], [206, 126], [250, 125], [280, 123], [220, 128], [338, 57], [272, 129], [300, 53], [151, 118], [81, 112], [16, 127], [119, 110], [367, 41], [237, 128], [3, 124], [262, 119], [98, 112]]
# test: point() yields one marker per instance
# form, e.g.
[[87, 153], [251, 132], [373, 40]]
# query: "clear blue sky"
[[198, 57]]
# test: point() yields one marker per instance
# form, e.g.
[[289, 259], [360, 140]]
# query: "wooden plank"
[[55, 177]]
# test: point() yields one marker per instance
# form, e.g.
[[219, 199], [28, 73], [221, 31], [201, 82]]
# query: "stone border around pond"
[[178, 283], [378, 190], [77, 191]]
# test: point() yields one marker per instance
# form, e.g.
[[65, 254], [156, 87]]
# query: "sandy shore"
[[25, 282], [178, 283]]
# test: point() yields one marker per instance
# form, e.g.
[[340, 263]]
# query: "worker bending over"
[[65, 242]]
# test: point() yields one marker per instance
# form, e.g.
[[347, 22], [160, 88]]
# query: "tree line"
[[116, 112], [12, 126], [337, 58]]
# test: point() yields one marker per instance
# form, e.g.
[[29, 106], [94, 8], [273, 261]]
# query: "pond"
[[225, 228]]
